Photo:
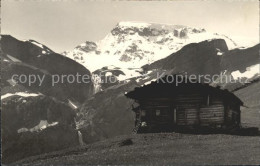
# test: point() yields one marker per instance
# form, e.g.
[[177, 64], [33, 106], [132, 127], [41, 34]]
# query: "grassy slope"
[[251, 97], [172, 148], [162, 148]]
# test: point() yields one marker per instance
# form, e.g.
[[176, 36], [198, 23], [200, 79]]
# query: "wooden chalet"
[[164, 105]]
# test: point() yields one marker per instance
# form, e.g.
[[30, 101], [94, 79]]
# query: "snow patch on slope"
[[37, 44], [45, 50], [249, 73], [41, 126], [22, 94]]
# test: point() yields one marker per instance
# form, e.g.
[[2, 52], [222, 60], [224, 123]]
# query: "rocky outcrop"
[[87, 46], [113, 117], [107, 76]]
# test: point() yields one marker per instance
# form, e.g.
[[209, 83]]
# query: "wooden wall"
[[191, 110]]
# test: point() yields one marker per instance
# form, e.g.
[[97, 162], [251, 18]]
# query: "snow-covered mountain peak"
[[134, 44]]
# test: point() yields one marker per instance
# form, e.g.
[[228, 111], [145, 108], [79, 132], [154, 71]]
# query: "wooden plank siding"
[[191, 109], [213, 114], [187, 116]]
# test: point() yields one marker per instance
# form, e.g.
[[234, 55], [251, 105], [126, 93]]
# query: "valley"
[[54, 122]]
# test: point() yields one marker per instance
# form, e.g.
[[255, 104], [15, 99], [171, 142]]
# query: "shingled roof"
[[166, 88]]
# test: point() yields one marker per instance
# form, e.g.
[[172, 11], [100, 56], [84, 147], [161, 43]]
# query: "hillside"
[[171, 148], [32, 58], [37, 116], [164, 148], [251, 97]]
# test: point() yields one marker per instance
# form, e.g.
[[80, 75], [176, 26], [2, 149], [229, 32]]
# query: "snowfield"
[[43, 124], [22, 94], [250, 72]]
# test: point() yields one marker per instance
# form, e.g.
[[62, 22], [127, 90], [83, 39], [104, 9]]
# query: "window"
[[208, 100], [143, 113], [157, 112]]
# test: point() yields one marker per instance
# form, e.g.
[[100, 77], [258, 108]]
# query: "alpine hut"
[[169, 104]]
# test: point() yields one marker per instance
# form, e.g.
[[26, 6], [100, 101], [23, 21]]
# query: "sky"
[[62, 25]]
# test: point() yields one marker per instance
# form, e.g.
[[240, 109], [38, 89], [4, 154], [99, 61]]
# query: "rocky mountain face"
[[37, 116], [107, 76], [37, 58]]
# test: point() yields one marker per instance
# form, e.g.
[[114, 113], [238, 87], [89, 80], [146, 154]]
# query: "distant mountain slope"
[[240, 59], [31, 57], [37, 118], [196, 58], [250, 95], [233, 68]]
